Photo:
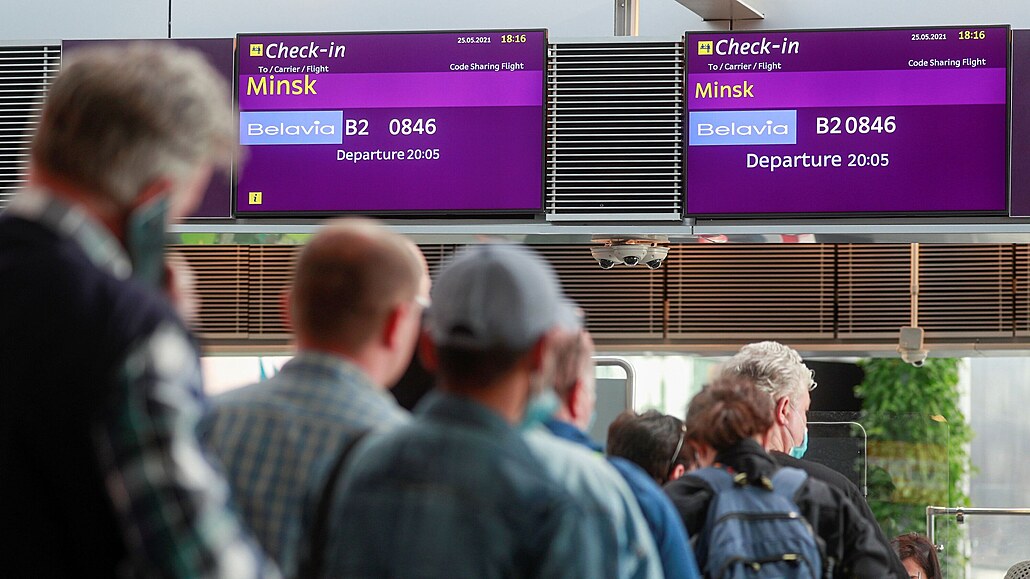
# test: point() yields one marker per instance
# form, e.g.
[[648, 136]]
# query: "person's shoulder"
[[634, 474], [687, 485], [651, 497], [818, 471], [564, 455]]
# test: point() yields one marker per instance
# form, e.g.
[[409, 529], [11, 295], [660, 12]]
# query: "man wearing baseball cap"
[[458, 492]]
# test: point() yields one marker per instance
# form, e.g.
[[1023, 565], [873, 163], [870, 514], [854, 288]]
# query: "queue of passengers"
[[114, 464]]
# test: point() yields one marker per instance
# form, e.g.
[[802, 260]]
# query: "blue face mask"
[[540, 408], [145, 240], [799, 451]]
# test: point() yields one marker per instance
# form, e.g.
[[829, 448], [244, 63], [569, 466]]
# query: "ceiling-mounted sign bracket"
[[722, 10]]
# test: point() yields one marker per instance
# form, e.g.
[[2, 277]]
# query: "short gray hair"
[[775, 369], [116, 118]]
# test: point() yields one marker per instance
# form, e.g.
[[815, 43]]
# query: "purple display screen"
[[893, 121], [410, 123]]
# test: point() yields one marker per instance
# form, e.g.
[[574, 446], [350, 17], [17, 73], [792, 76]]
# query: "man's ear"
[[538, 353], [286, 309], [677, 471], [575, 396], [427, 353], [391, 328], [782, 411]]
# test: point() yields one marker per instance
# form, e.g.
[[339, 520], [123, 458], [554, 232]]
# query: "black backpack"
[[756, 531]]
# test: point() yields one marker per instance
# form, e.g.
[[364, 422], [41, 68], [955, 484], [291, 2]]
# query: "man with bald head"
[[355, 306]]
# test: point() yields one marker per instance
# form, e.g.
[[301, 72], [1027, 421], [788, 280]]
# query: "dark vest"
[[65, 327]]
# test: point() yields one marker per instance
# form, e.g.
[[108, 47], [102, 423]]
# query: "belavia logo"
[[291, 128], [743, 128]]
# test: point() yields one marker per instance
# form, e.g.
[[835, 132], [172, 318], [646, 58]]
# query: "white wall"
[[566, 19]]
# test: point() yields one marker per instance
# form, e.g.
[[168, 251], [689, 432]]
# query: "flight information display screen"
[[893, 121], [391, 123]]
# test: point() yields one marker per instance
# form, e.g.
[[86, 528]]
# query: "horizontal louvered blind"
[[967, 290], [615, 131], [873, 282], [25, 74], [619, 303], [437, 255], [703, 292], [757, 291], [1022, 290], [220, 279], [271, 269]]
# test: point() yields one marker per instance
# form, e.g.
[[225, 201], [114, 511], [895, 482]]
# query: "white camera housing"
[[655, 256], [910, 346], [605, 257], [629, 254]]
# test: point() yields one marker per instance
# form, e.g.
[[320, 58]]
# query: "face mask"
[[592, 421], [540, 408], [799, 451], [145, 240]]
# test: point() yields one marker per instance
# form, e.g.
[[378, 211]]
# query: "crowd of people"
[[114, 464]]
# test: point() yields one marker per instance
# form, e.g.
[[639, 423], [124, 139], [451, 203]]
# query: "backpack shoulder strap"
[[717, 478], [313, 560], [787, 481]]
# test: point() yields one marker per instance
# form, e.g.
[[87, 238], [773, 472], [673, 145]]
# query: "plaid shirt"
[[171, 506], [278, 438], [457, 493]]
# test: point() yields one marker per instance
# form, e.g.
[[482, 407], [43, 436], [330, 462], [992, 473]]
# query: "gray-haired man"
[[779, 371]]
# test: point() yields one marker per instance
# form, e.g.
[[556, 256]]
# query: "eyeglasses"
[[679, 447]]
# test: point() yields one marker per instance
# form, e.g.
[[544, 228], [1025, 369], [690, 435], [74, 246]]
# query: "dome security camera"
[[910, 346], [915, 357], [605, 257], [655, 256], [630, 254]]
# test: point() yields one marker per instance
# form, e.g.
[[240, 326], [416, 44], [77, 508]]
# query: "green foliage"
[[918, 441]]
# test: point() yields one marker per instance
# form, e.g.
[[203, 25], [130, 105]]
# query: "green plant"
[[918, 441]]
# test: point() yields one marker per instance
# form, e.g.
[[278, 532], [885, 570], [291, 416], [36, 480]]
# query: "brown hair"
[[727, 411], [348, 279], [918, 547], [650, 440]]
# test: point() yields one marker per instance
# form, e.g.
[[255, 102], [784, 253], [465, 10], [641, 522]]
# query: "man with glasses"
[[779, 371], [355, 304], [653, 441]]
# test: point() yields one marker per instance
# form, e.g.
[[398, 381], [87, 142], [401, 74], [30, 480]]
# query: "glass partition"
[[900, 462]]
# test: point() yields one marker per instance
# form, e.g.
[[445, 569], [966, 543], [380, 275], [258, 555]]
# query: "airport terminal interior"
[[691, 169]]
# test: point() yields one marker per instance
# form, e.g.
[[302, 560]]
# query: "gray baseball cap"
[[498, 296]]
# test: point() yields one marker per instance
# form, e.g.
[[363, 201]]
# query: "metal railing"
[[960, 514]]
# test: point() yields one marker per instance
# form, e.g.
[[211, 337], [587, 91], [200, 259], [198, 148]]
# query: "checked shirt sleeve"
[[172, 505]]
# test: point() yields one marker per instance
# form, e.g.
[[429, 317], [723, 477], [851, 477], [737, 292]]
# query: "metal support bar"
[[631, 375], [960, 514], [627, 17]]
